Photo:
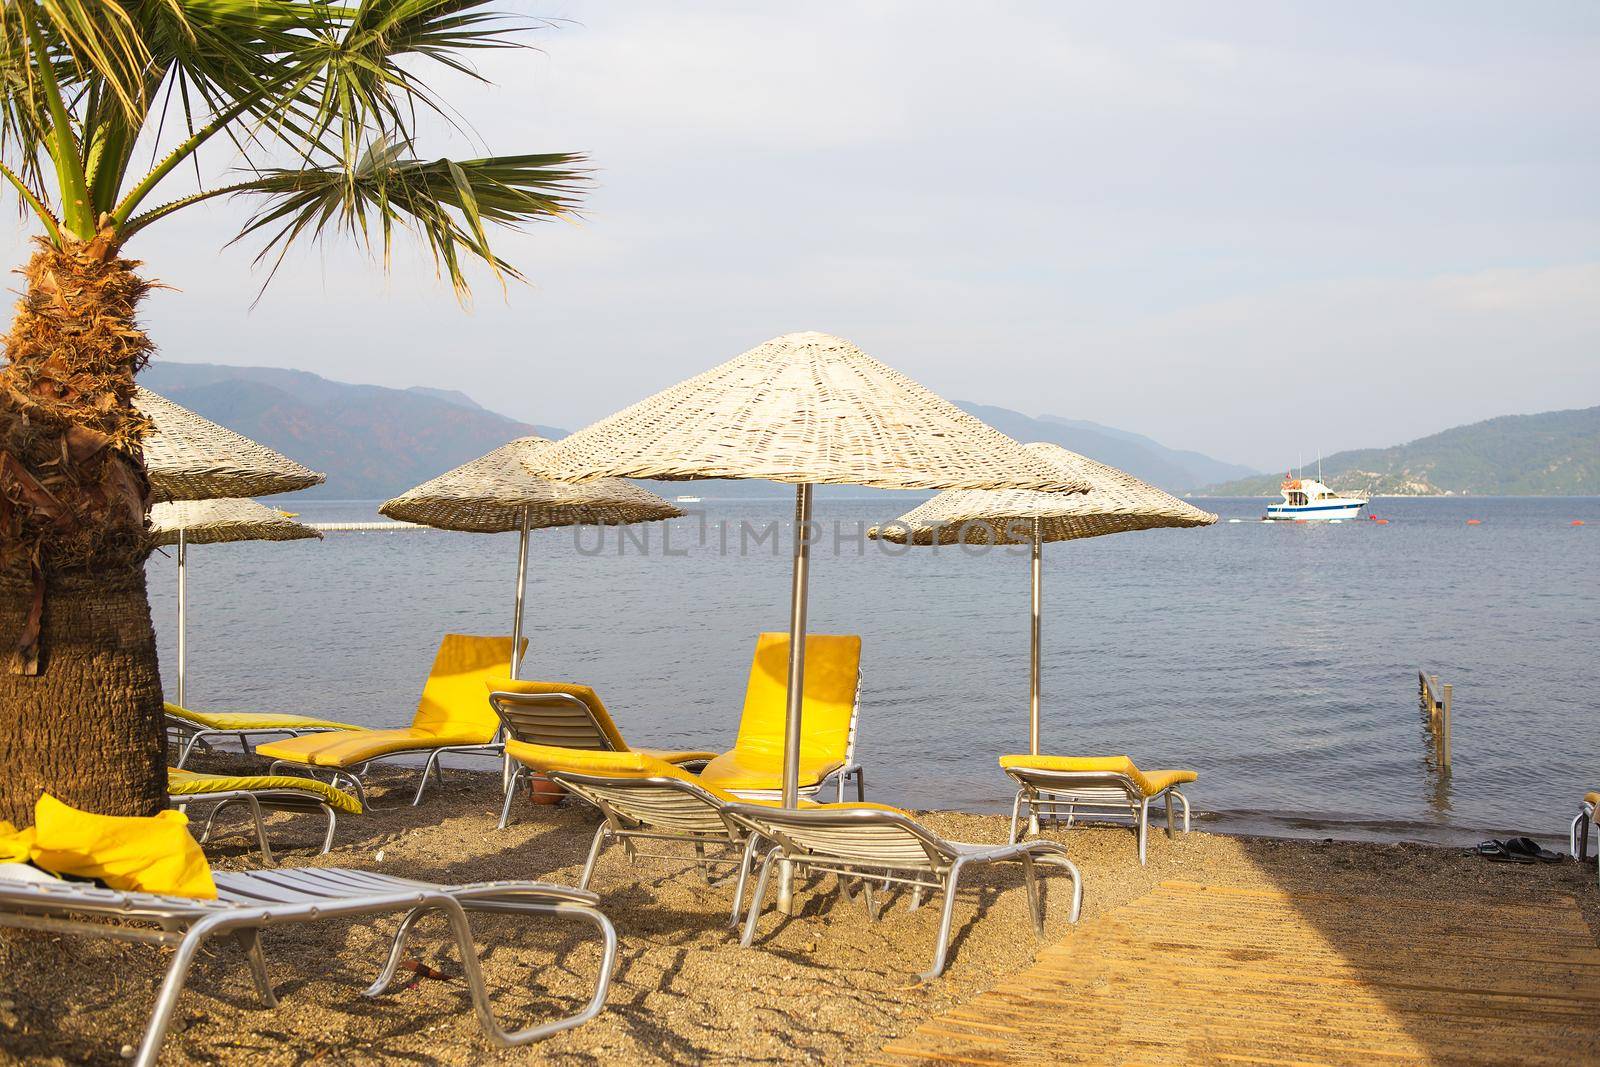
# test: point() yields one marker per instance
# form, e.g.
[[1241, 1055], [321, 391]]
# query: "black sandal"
[[1497, 852], [1528, 847]]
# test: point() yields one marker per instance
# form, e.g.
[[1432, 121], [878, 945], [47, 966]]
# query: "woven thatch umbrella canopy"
[[495, 493], [1116, 502], [213, 522], [209, 522], [192, 458], [807, 408], [803, 408]]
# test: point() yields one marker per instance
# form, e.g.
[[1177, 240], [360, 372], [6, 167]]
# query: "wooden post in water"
[[1444, 730], [1435, 700]]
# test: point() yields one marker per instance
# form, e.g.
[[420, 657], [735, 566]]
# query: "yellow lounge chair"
[[879, 844], [644, 798], [453, 716], [1582, 823], [560, 715], [189, 727], [829, 716], [259, 792], [1109, 785]]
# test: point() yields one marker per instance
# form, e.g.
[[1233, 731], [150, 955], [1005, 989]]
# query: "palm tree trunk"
[[87, 728], [80, 690]]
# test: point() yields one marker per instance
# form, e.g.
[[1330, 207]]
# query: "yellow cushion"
[[15, 845], [833, 672], [1592, 799], [673, 755], [249, 720], [187, 783], [148, 855], [1149, 782], [346, 748], [609, 735], [547, 758], [756, 769], [454, 699]]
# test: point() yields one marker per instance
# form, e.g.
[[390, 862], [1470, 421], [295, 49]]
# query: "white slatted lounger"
[[886, 846], [251, 901]]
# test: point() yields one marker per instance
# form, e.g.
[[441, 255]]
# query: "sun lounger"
[[1110, 786], [189, 728], [250, 902], [830, 714], [642, 798], [884, 845], [258, 793], [559, 715], [453, 716], [1582, 823]]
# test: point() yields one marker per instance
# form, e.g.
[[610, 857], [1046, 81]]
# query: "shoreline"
[[826, 986]]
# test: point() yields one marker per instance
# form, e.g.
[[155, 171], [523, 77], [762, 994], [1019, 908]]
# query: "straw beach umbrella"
[[209, 522], [192, 458], [1116, 502], [496, 493], [804, 408]]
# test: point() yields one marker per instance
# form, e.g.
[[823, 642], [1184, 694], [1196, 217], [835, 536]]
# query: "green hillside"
[[1556, 453]]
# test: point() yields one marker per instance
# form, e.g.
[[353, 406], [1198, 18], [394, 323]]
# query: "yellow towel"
[[147, 855]]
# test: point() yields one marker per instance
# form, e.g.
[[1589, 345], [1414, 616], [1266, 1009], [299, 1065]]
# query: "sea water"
[[1278, 660]]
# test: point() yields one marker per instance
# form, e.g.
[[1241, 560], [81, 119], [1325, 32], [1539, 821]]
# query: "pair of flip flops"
[[1518, 850]]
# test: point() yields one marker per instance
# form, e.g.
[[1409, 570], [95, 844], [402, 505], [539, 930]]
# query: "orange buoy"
[[1577, 522], [1301, 522], [1381, 522], [1474, 522]]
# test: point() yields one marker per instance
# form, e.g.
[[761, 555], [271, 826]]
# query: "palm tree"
[[318, 103]]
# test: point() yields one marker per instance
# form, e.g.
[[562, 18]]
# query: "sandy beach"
[[828, 986]]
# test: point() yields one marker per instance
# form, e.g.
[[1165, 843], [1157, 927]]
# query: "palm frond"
[[443, 201]]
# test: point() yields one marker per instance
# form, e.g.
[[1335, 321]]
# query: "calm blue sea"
[[1278, 660]]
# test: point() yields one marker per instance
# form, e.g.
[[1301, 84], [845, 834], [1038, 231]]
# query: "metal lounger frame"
[[351, 777], [275, 798], [559, 720], [889, 847], [1109, 794], [1582, 823], [251, 901], [191, 733], [666, 809]]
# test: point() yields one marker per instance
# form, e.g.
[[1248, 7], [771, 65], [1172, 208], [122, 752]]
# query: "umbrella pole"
[[183, 603], [797, 674], [522, 587], [1033, 674]]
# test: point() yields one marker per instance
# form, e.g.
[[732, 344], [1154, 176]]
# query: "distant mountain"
[[1556, 453], [375, 442], [371, 441], [1166, 468]]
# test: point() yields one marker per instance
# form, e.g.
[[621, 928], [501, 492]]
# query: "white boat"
[[1309, 499], [686, 500]]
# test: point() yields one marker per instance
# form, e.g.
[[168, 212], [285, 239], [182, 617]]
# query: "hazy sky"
[[1254, 229]]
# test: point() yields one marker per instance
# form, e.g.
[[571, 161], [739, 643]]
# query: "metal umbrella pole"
[[1033, 675], [183, 603], [516, 625], [522, 586], [1033, 672], [797, 674]]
